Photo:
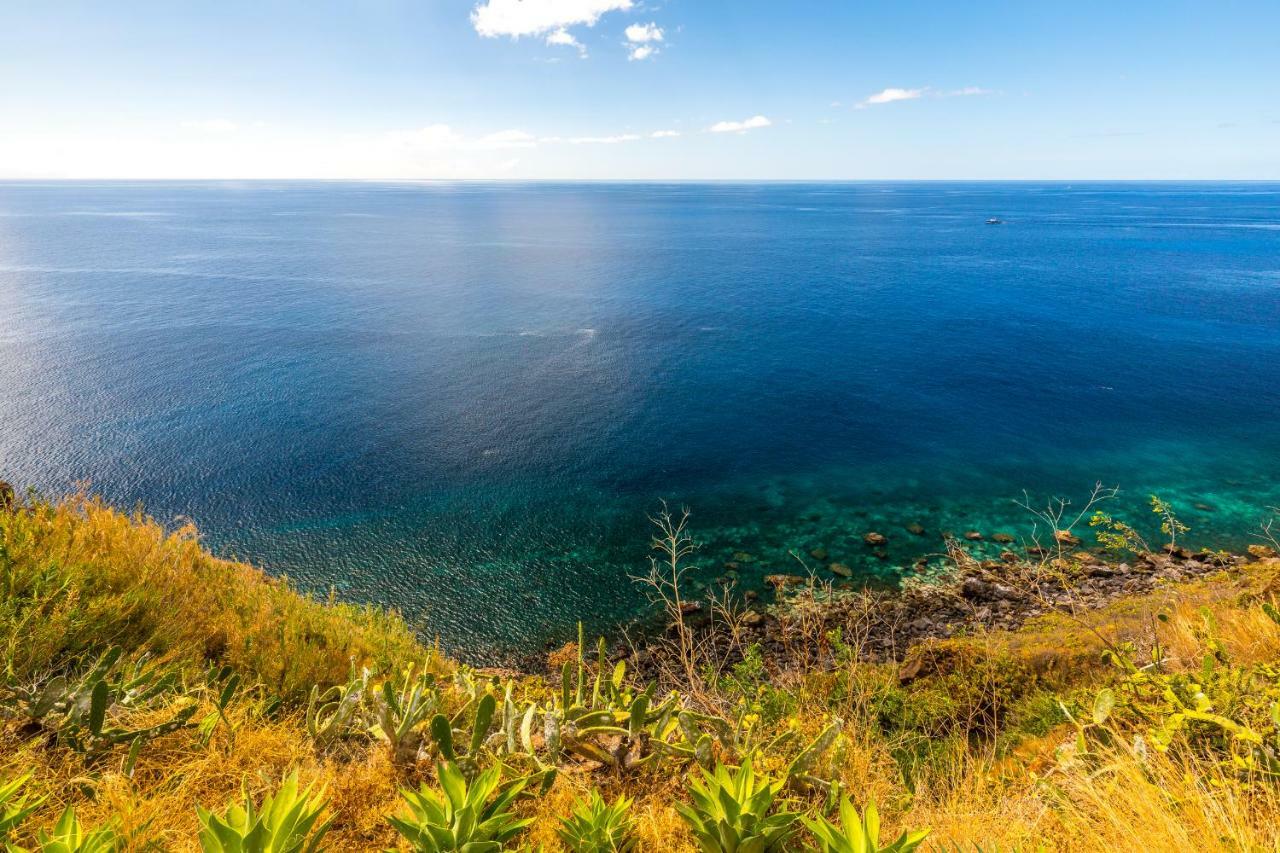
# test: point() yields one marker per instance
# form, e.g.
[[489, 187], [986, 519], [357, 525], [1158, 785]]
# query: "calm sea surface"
[[462, 400]]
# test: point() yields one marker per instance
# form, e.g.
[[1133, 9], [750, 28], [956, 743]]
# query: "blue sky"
[[639, 89]]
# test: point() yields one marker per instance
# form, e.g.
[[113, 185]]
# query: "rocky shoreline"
[[978, 595]]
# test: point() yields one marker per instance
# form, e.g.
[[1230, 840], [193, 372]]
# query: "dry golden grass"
[[80, 576]]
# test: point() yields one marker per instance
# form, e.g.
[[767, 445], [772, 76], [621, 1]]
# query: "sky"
[[639, 90]]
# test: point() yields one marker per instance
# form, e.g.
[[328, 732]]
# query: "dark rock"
[[973, 536], [819, 554], [915, 528], [1008, 557], [880, 554], [841, 569], [1203, 507], [874, 539], [1002, 538], [743, 557], [975, 589]]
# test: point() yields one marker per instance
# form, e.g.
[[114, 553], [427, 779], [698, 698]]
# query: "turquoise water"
[[463, 400]]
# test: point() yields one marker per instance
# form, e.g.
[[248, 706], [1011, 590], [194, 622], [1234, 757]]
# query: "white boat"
[[994, 221]]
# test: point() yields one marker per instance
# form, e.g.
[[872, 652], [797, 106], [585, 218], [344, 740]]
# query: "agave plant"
[[69, 836], [732, 811], [598, 827], [14, 809], [287, 822], [854, 834], [466, 817]]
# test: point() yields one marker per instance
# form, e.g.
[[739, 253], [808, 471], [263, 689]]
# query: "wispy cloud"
[[740, 126], [642, 40], [894, 94], [664, 134], [516, 18], [889, 96], [564, 38]]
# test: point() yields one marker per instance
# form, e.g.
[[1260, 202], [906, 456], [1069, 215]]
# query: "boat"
[[994, 221]]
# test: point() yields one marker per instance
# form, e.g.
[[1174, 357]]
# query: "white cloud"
[[664, 134], [643, 39], [641, 33], [212, 125], [602, 140], [888, 96], [517, 18], [564, 38], [740, 126]]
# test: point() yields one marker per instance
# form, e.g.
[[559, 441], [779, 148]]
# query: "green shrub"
[[286, 823], [468, 818], [14, 809], [70, 837], [732, 811], [597, 827], [854, 834]]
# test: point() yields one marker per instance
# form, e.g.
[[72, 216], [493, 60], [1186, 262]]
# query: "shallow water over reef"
[[463, 399]]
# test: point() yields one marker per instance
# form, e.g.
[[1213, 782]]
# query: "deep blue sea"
[[464, 399]]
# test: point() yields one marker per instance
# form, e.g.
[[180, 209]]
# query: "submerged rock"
[[874, 539], [819, 553], [915, 528], [1002, 538], [782, 581], [841, 569], [973, 536]]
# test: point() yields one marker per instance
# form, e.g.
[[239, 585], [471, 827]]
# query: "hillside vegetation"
[[156, 697]]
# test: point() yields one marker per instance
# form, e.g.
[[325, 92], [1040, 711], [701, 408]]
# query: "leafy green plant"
[[401, 710], [69, 836], [79, 711], [15, 808], [595, 826], [333, 714], [603, 719], [287, 822], [226, 684], [1170, 525], [732, 811], [1222, 710], [1117, 536], [466, 817], [443, 733], [858, 834]]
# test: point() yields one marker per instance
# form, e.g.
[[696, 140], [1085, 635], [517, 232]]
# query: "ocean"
[[465, 400]]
